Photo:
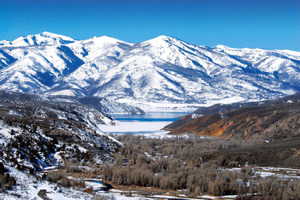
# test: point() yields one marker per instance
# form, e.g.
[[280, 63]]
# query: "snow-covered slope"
[[41, 39], [159, 73], [38, 135]]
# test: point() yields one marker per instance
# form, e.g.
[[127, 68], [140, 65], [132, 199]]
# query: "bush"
[[193, 165], [6, 181], [54, 177]]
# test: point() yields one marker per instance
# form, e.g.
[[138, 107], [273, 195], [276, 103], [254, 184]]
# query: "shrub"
[[193, 165]]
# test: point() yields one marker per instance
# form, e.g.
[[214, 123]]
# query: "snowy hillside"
[[157, 74], [28, 122], [38, 135]]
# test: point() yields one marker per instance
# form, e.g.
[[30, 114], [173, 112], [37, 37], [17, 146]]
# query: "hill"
[[261, 121]]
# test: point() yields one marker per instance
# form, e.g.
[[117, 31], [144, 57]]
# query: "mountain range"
[[160, 73]]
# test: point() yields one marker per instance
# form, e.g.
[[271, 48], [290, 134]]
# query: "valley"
[[148, 124], [53, 149], [150, 100], [105, 119]]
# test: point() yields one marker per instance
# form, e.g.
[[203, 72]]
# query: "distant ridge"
[[160, 73]]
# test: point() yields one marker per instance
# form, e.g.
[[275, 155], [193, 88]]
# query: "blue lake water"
[[147, 124], [151, 117]]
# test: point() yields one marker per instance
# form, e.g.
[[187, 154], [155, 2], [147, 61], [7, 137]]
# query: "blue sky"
[[237, 23]]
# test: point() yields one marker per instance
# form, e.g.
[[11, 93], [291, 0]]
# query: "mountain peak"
[[164, 38], [108, 38], [54, 35], [221, 46], [152, 73], [4, 42], [104, 39], [161, 40], [40, 39]]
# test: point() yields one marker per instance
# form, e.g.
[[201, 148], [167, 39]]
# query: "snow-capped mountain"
[[159, 73], [44, 39]]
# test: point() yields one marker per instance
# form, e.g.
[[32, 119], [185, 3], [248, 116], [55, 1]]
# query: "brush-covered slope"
[[36, 133], [159, 73], [265, 121], [39, 134]]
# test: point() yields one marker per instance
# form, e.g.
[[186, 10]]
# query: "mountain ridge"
[[163, 72]]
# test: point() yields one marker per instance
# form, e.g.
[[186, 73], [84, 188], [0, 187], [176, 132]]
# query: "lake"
[[149, 124], [153, 116]]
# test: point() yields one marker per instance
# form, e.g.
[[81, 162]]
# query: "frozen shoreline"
[[149, 125], [143, 128]]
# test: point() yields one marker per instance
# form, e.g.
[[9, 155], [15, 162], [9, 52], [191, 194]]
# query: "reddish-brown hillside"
[[256, 122]]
